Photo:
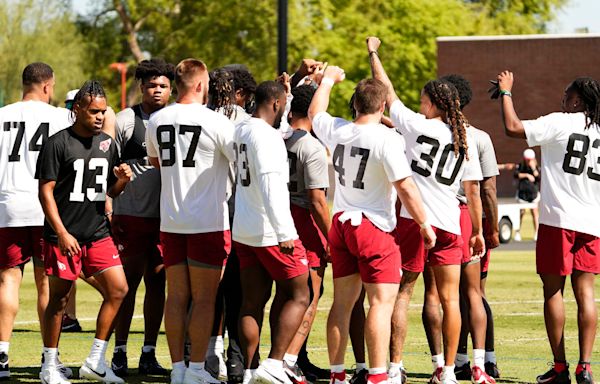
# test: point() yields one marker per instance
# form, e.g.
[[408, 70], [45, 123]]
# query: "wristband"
[[373, 52], [505, 93], [425, 225], [327, 81]]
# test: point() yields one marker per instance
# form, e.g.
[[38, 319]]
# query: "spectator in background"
[[528, 175]]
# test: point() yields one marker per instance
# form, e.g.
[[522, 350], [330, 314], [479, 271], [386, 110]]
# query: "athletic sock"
[[122, 348], [4, 346], [338, 368], [560, 366], [148, 348], [376, 376], [396, 367], [97, 352], [583, 365], [479, 358], [461, 359], [196, 367], [50, 357], [437, 361], [248, 373], [273, 364], [178, 365], [360, 366], [290, 359], [490, 357], [448, 372]]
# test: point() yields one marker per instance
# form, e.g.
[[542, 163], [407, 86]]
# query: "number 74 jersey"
[[24, 128]]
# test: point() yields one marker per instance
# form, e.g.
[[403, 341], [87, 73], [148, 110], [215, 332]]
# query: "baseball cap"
[[528, 154], [70, 98]]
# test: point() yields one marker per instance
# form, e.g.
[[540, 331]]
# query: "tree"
[[36, 30]]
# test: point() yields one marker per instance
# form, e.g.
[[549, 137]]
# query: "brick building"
[[543, 66]]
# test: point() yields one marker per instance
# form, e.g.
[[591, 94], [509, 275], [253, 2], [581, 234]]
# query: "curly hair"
[[302, 97], [588, 90], [462, 85], [156, 67], [221, 91], [445, 97]]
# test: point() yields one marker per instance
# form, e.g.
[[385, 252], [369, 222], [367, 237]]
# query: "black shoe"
[[492, 370], [555, 377], [4, 371], [359, 377], [235, 368], [70, 325], [585, 376], [150, 366], [119, 364], [463, 372], [313, 373]]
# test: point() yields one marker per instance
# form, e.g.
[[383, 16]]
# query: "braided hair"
[[244, 81], [221, 91], [445, 97], [91, 88], [588, 90]]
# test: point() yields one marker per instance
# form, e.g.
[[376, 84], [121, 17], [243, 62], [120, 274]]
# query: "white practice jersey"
[[260, 150], [437, 171], [194, 147], [366, 159], [25, 125], [570, 171]]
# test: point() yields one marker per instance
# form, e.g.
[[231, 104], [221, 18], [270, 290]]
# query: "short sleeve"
[[49, 161], [472, 170], [404, 118], [545, 129], [487, 156], [394, 159], [316, 170], [125, 122], [151, 143], [323, 125]]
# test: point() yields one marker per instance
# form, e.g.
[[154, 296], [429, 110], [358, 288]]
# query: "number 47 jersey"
[[24, 128]]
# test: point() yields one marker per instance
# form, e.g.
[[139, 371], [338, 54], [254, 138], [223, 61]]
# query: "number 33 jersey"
[[570, 171], [437, 171], [24, 128], [83, 170], [194, 146], [366, 159]]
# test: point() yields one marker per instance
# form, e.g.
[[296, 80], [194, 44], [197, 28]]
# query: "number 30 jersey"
[[24, 128], [570, 171], [194, 146], [366, 159], [437, 171], [83, 170]]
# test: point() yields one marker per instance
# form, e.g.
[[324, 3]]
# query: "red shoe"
[[478, 376], [436, 377], [338, 378]]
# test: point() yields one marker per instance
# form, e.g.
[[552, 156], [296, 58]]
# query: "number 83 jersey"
[[570, 171], [82, 168]]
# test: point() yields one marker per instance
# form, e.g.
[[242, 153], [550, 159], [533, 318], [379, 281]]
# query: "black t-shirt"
[[83, 171], [528, 190]]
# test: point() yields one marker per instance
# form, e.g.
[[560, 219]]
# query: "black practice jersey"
[[83, 171]]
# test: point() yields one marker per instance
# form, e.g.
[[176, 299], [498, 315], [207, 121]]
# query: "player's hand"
[[334, 73], [492, 240], [123, 172], [373, 43], [531, 178], [477, 245], [429, 237], [287, 247], [505, 81], [308, 67], [284, 79], [68, 245]]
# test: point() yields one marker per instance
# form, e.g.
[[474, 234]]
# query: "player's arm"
[[411, 199], [319, 209], [513, 127], [67, 244], [123, 174], [489, 202], [307, 67], [377, 71], [277, 206], [476, 242], [320, 100]]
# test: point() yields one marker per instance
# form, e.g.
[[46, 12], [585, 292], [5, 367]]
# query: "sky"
[[577, 14]]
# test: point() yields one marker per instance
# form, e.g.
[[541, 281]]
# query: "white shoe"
[[518, 236], [177, 375], [394, 376], [270, 376], [199, 377], [64, 370], [52, 376], [248, 376], [449, 378], [100, 373]]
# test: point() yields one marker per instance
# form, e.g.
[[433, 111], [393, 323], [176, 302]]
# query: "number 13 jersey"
[[437, 171], [570, 171], [367, 159]]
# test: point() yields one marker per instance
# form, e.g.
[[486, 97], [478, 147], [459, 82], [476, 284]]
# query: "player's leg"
[[432, 321], [535, 214], [70, 322], [10, 281], [215, 364], [357, 339], [491, 367], [232, 293], [176, 313], [587, 318], [400, 315]]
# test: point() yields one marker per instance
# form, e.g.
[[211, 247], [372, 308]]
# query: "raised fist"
[[334, 73], [373, 43]]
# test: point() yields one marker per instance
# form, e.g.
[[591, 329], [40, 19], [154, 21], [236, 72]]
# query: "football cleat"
[[397, 377], [340, 377], [585, 375], [311, 372], [478, 376], [215, 365], [436, 376], [463, 372], [555, 377], [492, 370], [294, 373], [199, 377], [177, 375], [118, 363], [52, 376], [4, 370], [235, 369], [148, 365], [264, 375], [100, 373], [359, 377]]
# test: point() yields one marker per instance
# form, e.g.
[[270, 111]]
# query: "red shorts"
[[138, 236], [560, 251], [448, 248], [94, 258], [279, 265], [364, 249], [209, 249], [19, 244], [311, 237]]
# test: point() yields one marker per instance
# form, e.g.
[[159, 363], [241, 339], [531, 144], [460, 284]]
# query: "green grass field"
[[514, 292]]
